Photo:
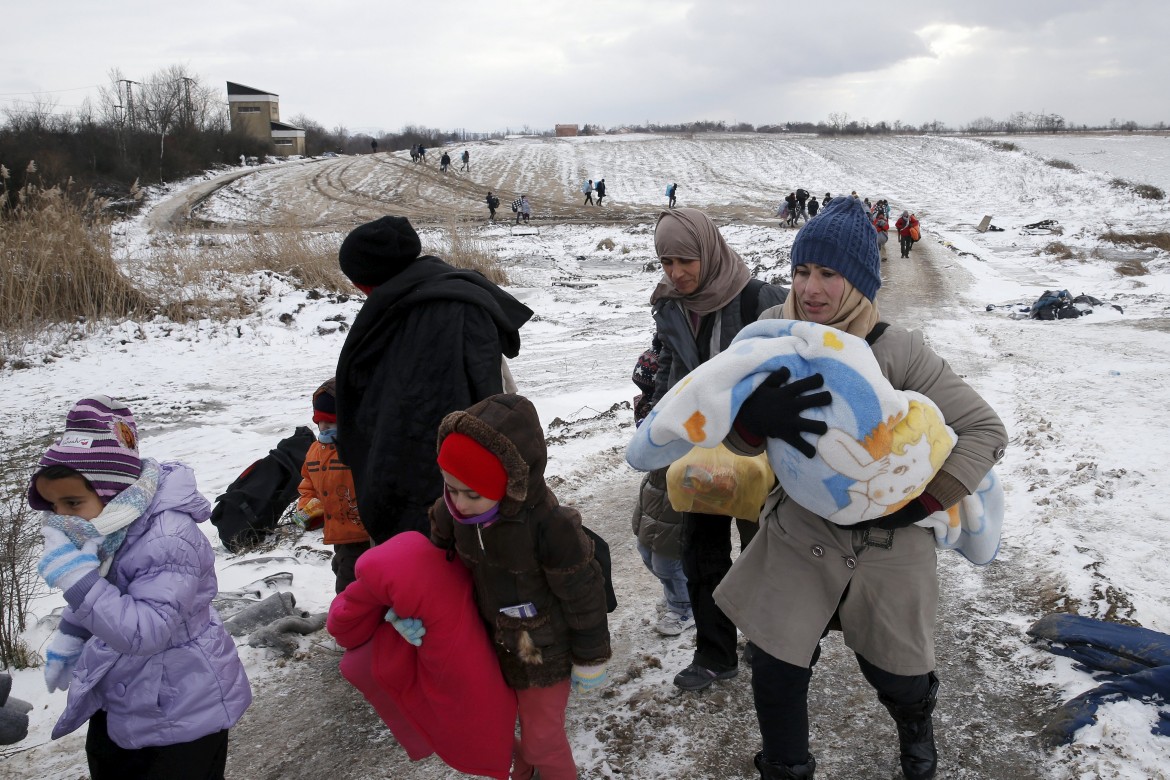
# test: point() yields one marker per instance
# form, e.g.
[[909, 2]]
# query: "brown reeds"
[[56, 263]]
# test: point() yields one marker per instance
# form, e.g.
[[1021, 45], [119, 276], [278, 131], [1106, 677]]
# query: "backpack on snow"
[[253, 504]]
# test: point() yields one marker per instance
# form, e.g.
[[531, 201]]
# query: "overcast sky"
[[483, 65]]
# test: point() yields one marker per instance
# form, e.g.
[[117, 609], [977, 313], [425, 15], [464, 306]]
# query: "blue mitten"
[[63, 564], [412, 629], [587, 678], [60, 657]]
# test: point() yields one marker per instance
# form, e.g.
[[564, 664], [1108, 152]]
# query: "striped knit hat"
[[101, 443]]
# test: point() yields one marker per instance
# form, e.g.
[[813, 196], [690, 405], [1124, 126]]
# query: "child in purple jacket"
[[140, 649]]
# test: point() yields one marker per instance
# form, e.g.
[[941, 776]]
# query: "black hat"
[[375, 252]]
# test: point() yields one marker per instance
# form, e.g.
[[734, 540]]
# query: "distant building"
[[566, 130], [257, 113]]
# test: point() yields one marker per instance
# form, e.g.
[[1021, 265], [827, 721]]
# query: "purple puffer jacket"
[[160, 662]]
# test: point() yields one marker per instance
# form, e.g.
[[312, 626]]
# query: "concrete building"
[[565, 130], [256, 112]]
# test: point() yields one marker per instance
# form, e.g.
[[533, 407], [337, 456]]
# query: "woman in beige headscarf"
[[705, 297]]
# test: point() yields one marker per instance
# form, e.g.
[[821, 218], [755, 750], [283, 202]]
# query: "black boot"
[[916, 733], [770, 770]]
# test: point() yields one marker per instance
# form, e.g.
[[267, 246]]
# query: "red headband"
[[474, 465]]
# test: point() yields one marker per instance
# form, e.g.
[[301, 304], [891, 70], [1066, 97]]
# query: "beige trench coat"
[[801, 569]]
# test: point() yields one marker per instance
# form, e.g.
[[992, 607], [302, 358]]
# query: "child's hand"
[[307, 517], [412, 629], [588, 678], [63, 564], [60, 657]]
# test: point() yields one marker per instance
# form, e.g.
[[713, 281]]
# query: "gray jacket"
[[656, 524], [801, 569], [683, 350]]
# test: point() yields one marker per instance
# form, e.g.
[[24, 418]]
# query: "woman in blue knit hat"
[[874, 581]]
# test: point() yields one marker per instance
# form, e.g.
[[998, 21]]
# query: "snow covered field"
[[1085, 402]]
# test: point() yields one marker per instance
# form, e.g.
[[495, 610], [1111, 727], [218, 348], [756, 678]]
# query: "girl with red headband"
[[537, 585]]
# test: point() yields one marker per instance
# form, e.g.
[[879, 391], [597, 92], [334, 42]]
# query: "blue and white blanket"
[[882, 448]]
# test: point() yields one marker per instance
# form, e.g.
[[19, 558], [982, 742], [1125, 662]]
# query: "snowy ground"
[[1084, 402]]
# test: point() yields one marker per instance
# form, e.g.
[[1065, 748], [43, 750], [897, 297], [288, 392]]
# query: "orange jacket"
[[325, 478]]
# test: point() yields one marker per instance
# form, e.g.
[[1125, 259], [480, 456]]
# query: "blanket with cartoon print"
[[882, 447]]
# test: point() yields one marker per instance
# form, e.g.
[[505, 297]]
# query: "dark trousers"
[[906, 242], [706, 557], [780, 692], [344, 559], [600, 198], [588, 199], [201, 759]]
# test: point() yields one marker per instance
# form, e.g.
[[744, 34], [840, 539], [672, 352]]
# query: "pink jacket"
[[447, 696]]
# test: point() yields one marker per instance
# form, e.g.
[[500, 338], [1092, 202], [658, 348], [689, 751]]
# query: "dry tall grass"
[[197, 277], [465, 251], [56, 263]]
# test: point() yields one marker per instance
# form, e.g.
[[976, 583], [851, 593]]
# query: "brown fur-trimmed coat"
[[534, 552]]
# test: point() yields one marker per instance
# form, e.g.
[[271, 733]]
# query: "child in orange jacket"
[[327, 494]]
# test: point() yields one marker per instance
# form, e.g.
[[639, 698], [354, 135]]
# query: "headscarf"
[[856, 315], [689, 233]]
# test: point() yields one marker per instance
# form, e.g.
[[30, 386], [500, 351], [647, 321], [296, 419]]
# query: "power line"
[[45, 91]]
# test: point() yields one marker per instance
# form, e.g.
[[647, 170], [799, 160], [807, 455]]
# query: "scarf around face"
[[856, 315], [689, 233], [110, 526]]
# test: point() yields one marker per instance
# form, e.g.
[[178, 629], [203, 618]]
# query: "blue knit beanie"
[[842, 237]]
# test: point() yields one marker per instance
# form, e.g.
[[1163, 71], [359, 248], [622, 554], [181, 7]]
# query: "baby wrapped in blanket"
[[881, 449]]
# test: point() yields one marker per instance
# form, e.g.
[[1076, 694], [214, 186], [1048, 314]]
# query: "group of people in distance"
[[425, 422]]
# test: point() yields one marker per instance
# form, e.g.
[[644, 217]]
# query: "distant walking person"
[[882, 226], [466, 158], [493, 203], [671, 192], [828, 199], [524, 210], [801, 203], [600, 187], [813, 207], [444, 161], [908, 233], [587, 191], [414, 153]]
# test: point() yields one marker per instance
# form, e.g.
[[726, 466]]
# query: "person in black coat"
[[599, 188], [428, 341]]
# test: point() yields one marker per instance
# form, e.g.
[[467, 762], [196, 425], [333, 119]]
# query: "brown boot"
[[916, 733], [770, 770]]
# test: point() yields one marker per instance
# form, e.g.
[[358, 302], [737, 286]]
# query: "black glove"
[[906, 516], [773, 410]]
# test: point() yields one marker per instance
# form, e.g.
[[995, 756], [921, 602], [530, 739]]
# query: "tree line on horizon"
[[172, 124]]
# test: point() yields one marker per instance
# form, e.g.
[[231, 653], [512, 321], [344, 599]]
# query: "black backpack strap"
[[876, 333], [749, 300]]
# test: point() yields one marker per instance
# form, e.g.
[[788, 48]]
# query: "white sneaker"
[[673, 624]]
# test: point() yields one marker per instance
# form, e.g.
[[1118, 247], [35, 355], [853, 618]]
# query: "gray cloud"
[[476, 65]]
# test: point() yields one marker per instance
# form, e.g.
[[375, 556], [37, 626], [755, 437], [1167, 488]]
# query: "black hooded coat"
[[426, 343]]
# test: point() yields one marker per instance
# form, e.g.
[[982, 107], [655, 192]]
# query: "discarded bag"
[[252, 505]]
